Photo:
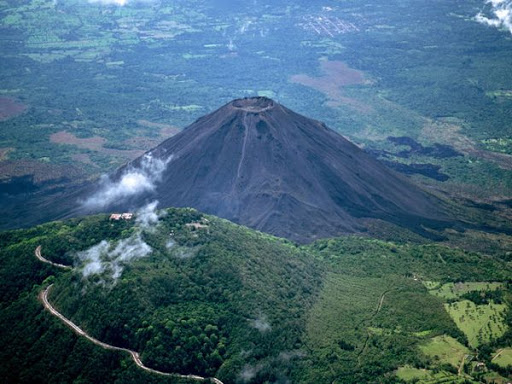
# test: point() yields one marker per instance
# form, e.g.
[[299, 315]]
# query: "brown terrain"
[[450, 133], [30, 185], [165, 131], [97, 143], [10, 108], [336, 75]]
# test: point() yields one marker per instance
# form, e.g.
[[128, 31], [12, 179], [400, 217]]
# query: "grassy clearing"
[[445, 349], [480, 323], [430, 285], [423, 333], [455, 290], [408, 373], [503, 357]]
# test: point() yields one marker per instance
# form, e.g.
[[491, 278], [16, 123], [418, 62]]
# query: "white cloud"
[[148, 215], [133, 181], [499, 15], [108, 259], [183, 253], [261, 324], [249, 372], [127, 250], [93, 265]]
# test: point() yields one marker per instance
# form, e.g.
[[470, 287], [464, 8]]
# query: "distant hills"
[[257, 163]]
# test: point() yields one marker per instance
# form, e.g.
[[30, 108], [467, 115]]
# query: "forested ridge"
[[220, 300]]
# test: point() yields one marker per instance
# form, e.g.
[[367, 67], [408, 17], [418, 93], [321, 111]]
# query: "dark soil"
[[439, 151], [260, 164]]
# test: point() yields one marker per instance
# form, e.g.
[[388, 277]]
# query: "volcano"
[[259, 164]]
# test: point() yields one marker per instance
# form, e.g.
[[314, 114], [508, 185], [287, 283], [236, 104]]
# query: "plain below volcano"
[[257, 163]]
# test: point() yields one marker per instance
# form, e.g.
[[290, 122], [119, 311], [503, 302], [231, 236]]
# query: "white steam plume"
[[133, 181], [108, 259], [500, 14], [249, 372], [92, 258], [105, 258], [147, 217]]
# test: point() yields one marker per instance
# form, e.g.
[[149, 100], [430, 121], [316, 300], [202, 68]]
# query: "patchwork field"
[[335, 76], [409, 373], [455, 290], [480, 323], [445, 350], [495, 378], [95, 143], [424, 376], [104, 78], [480, 315]]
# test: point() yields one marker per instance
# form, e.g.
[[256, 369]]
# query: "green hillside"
[[194, 294]]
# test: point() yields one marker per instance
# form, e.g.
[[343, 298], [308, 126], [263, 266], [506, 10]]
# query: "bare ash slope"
[[259, 164]]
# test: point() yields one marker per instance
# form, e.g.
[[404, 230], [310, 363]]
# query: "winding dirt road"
[[43, 296], [37, 252], [500, 351], [135, 355]]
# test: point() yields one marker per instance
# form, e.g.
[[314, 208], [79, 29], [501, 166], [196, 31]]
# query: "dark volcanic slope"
[[262, 165]]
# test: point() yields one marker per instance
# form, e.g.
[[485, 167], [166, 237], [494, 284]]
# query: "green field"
[[473, 307], [455, 290], [503, 357], [409, 373], [480, 323], [445, 350], [422, 86], [424, 376]]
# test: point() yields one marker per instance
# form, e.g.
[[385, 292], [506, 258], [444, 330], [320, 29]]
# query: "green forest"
[[220, 300], [87, 86]]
